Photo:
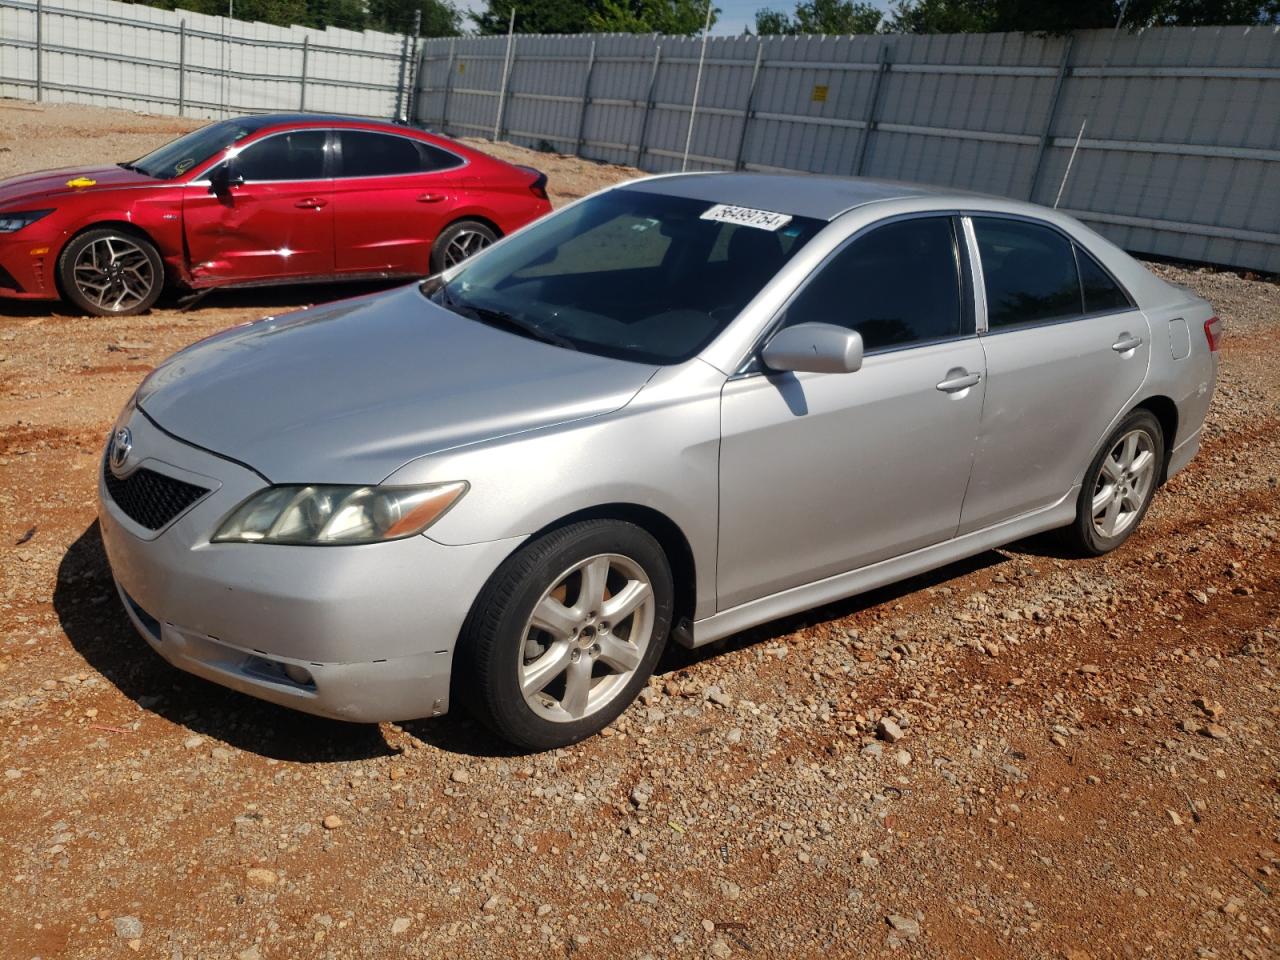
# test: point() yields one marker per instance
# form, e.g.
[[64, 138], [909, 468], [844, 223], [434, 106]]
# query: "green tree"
[[439, 17], [1061, 16], [820, 16], [672, 17], [536, 16]]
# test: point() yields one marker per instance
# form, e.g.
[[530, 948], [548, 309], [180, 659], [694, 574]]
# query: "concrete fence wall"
[[128, 55], [1180, 153]]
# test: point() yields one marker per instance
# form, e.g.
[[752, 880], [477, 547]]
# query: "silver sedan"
[[677, 408]]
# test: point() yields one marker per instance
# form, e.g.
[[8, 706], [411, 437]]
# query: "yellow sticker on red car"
[[81, 182]]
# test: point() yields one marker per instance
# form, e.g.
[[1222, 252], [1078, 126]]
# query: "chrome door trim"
[[975, 269]]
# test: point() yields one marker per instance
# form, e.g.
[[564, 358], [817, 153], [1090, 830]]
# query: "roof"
[[799, 194], [264, 120]]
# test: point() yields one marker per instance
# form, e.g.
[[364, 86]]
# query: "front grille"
[[148, 498], [7, 281]]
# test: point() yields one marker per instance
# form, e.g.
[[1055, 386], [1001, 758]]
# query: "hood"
[[31, 188], [351, 391]]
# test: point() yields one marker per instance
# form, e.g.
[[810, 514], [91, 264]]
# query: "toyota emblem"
[[121, 447]]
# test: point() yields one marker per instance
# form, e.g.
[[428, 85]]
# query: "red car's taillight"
[[538, 187], [1213, 333]]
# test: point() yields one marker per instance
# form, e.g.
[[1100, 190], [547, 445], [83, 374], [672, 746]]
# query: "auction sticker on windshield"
[[747, 217]]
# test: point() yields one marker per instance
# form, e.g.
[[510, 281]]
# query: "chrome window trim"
[[1073, 242], [749, 363], [979, 279]]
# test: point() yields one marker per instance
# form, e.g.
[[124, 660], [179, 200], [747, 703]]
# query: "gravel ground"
[[1020, 755]]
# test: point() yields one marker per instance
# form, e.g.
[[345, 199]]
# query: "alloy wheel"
[[1124, 483], [586, 637], [114, 273], [464, 244]]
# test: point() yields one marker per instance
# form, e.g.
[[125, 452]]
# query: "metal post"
[[182, 67], [648, 105], [586, 98], [302, 79], [1063, 69], [448, 88], [746, 111], [506, 73], [874, 111], [415, 59], [39, 50], [697, 88]]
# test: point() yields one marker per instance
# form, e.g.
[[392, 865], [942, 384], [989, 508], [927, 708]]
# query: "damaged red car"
[[256, 201]]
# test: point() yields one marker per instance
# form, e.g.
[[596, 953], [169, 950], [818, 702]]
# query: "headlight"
[[333, 515], [11, 222]]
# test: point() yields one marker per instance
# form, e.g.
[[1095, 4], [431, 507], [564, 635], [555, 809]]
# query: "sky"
[[735, 15]]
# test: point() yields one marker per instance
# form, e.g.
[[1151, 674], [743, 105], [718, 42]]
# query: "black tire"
[[492, 648], [1085, 535], [125, 287], [465, 236]]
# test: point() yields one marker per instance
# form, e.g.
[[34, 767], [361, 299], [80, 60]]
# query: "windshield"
[[177, 157], [628, 274]]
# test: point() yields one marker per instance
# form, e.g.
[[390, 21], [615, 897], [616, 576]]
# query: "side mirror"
[[222, 178], [814, 348]]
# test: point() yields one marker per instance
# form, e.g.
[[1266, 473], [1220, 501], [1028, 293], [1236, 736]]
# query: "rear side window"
[[1101, 293], [285, 156], [898, 285], [368, 154], [1029, 272]]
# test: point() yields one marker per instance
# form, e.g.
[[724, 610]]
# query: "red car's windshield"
[[179, 156]]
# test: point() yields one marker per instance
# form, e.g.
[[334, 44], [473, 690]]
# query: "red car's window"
[[285, 156], [368, 154]]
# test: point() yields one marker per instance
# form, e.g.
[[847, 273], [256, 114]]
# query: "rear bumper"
[[362, 633]]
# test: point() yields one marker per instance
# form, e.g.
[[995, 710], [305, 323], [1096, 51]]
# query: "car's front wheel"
[[565, 634], [111, 272], [1119, 485]]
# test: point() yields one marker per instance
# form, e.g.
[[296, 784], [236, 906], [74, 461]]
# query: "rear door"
[[392, 198], [276, 225], [1066, 352], [822, 473]]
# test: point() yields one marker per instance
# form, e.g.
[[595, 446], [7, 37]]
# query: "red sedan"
[[253, 201]]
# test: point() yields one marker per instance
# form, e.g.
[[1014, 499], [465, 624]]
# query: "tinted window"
[[1030, 273], [899, 284], [1101, 293], [366, 154], [178, 156], [627, 274], [285, 156]]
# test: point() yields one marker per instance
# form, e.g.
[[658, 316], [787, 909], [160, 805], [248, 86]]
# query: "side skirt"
[[880, 574]]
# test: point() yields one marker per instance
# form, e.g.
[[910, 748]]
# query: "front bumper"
[[368, 631], [26, 274]]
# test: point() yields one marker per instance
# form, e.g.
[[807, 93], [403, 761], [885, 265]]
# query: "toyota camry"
[[676, 408]]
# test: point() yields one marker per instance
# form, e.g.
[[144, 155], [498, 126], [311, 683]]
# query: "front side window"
[[898, 285], [178, 156], [285, 156], [628, 274], [368, 154], [1029, 271]]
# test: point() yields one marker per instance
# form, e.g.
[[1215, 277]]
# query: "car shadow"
[[91, 616], [274, 297]]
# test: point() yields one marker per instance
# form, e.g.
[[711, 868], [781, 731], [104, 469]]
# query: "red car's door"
[[276, 224], [392, 196]]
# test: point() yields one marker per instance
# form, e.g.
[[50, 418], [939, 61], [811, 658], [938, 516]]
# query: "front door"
[[824, 473], [276, 225], [1066, 352]]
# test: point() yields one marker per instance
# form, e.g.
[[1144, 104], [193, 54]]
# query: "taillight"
[[1213, 333], [539, 185]]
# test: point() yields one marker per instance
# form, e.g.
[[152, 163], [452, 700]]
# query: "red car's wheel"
[[459, 241], [111, 272]]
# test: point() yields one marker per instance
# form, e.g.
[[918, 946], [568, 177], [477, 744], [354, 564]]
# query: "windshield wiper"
[[502, 319]]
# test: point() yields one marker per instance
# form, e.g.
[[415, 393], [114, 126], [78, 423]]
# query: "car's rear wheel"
[[1119, 485], [111, 272], [565, 634], [458, 241]]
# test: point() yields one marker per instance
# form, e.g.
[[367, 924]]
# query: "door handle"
[[959, 379], [430, 197], [311, 203], [1126, 343]]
